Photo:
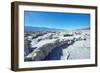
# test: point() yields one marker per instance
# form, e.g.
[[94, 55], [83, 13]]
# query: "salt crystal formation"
[[64, 45]]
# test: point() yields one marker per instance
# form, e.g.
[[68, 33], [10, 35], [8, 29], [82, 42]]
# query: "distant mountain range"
[[30, 29], [88, 28]]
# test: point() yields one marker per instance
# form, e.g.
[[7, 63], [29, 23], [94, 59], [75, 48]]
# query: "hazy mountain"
[[88, 28], [30, 29]]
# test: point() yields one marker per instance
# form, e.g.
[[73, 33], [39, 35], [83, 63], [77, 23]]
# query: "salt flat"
[[67, 45]]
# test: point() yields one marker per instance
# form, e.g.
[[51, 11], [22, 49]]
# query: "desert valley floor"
[[56, 45]]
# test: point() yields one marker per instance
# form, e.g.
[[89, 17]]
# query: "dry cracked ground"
[[49, 45]]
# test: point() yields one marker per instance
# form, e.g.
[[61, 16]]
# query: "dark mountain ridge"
[[30, 29]]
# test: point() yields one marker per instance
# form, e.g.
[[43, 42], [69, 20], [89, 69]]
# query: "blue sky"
[[58, 20]]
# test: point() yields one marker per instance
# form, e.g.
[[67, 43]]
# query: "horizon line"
[[59, 28]]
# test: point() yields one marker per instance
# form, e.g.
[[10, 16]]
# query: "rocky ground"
[[66, 45]]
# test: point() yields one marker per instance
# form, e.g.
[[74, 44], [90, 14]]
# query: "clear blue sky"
[[58, 20]]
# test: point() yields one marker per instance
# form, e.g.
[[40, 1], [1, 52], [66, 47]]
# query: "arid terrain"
[[56, 45]]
